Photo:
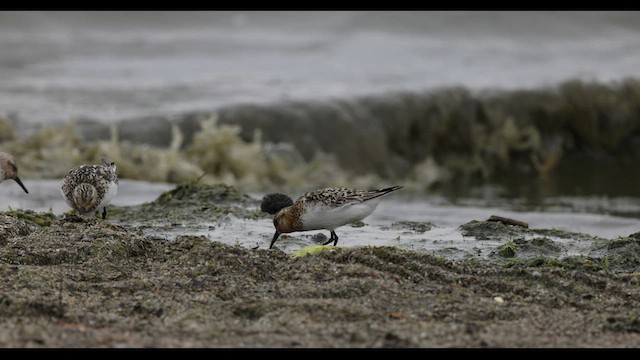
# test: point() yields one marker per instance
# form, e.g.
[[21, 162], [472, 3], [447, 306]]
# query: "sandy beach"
[[72, 282]]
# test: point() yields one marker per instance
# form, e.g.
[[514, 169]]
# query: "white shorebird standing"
[[89, 188], [9, 170], [327, 209]]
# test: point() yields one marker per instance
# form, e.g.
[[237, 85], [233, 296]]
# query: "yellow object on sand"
[[310, 250]]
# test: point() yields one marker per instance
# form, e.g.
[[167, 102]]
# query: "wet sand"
[[72, 282]]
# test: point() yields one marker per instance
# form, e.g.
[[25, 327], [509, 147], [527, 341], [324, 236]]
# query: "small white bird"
[[89, 188], [9, 170], [327, 209]]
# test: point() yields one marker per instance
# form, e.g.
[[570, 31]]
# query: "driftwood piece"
[[508, 221]]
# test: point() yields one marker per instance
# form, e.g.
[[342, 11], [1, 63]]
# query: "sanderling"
[[9, 170], [327, 209], [88, 188]]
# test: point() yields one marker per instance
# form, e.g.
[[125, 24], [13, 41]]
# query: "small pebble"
[[319, 238]]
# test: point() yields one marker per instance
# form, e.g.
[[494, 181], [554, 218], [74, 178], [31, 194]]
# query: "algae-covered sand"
[[72, 282]]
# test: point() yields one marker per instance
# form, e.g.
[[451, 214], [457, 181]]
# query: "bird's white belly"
[[324, 217], [112, 190]]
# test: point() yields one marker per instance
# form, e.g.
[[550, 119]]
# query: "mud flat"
[[132, 282]]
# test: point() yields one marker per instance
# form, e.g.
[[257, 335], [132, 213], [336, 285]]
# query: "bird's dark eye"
[[14, 167], [113, 163]]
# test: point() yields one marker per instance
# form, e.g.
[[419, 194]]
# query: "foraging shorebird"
[[9, 170], [327, 209], [89, 188]]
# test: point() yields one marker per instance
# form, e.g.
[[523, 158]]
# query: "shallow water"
[[444, 238], [586, 215], [44, 195], [381, 228]]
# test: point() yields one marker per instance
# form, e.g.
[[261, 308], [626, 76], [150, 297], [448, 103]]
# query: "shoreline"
[[73, 282]]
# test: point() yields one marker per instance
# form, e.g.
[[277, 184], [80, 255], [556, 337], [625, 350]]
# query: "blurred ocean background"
[[109, 66], [526, 111]]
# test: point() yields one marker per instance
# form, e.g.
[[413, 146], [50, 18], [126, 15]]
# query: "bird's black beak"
[[275, 237], [17, 179]]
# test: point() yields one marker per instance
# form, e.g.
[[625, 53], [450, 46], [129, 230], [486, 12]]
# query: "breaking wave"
[[426, 140]]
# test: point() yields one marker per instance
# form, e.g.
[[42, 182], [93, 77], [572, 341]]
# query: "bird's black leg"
[[104, 213], [333, 238], [275, 237]]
